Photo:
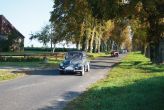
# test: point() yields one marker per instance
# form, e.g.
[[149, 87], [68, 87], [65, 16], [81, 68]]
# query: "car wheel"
[[61, 72], [88, 68], [82, 72]]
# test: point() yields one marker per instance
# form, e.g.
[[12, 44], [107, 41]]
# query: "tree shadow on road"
[[61, 102], [94, 66], [39, 72], [142, 95], [145, 66], [52, 72], [104, 61]]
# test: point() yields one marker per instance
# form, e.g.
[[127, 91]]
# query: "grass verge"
[[51, 63], [135, 84], [8, 75], [93, 56]]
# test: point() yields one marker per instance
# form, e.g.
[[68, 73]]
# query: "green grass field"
[[135, 84]]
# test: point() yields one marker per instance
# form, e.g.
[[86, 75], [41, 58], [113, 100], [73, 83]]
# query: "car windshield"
[[67, 62], [74, 55]]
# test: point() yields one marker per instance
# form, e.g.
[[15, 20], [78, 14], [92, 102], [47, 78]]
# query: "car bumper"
[[64, 70]]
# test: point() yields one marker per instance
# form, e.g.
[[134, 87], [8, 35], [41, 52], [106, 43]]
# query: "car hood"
[[71, 63], [69, 67]]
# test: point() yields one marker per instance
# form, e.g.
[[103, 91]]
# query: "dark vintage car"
[[75, 61]]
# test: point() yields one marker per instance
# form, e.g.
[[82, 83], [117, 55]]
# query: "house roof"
[[8, 27]]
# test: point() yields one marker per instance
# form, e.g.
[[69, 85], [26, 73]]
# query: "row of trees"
[[73, 21], [149, 31], [104, 25]]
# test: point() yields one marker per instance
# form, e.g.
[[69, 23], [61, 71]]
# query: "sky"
[[27, 16]]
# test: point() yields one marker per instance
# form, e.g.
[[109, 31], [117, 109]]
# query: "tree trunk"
[[113, 44], [95, 44], [110, 41], [54, 48], [105, 46], [83, 44], [154, 53], [81, 36], [99, 45], [88, 36], [51, 45], [78, 45], [148, 51], [92, 39], [145, 48], [86, 44]]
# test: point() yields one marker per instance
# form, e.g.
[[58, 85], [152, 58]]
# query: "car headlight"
[[61, 64], [78, 66]]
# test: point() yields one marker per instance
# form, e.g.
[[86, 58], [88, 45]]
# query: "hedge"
[[21, 59], [48, 49]]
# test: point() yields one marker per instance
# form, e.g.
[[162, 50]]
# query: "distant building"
[[10, 38]]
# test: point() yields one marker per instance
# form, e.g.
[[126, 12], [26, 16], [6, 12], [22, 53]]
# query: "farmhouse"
[[10, 38]]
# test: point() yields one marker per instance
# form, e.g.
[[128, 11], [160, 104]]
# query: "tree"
[[72, 18], [84, 22], [151, 11], [43, 36]]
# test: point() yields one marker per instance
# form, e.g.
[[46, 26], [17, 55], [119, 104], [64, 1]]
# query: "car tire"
[[61, 72], [82, 72], [88, 68]]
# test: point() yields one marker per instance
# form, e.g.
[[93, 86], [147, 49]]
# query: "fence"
[[30, 57]]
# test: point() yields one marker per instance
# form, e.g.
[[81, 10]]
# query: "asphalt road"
[[48, 90]]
